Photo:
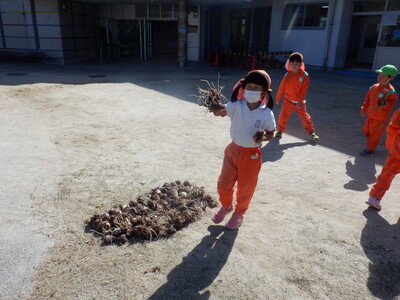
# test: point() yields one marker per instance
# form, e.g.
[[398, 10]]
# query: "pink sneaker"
[[235, 221], [373, 202], [219, 216]]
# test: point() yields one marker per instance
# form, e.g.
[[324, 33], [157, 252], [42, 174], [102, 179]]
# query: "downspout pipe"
[[328, 34], [3, 38], [34, 22], [182, 33]]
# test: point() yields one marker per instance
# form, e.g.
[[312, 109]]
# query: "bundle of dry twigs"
[[211, 97]]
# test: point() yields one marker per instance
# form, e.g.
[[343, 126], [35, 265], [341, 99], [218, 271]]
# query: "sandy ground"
[[74, 145]]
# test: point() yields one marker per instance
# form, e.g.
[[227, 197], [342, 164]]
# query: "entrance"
[[148, 38], [128, 36], [145, 40], [363, 38], [249, 29]]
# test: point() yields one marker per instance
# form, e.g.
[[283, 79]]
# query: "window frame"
[[304, 8]]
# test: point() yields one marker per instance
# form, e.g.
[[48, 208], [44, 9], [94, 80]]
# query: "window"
[[315, 15], [369, 5], [141, 11], [305, 15], [390, 36], [293, 16], [393, 5], [166, 11], [154, 11]]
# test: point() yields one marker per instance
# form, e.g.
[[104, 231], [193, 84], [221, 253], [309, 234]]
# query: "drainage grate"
[[97, 76], [15, 74]]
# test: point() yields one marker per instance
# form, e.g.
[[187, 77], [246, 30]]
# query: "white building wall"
[[17, 24], [310, 42], [49, 32], [19, 29], [385, 56], [340, 34], [193, 38]]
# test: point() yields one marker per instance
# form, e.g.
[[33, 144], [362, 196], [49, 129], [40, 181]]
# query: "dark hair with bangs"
[[295, 57]]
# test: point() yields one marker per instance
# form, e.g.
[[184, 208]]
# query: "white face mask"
[[252, 96]]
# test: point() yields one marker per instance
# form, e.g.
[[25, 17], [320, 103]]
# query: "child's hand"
[[220, 113], [258, 136], [382, 103], [300, 104], [262, 136], [267, 136]]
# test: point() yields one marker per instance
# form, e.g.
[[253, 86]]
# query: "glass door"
[[363, 40], [146, 40], [112, 43]]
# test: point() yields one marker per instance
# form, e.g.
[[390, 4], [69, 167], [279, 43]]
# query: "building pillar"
[[182, 32]]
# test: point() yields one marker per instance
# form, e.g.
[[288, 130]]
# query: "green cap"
[[389, 70]]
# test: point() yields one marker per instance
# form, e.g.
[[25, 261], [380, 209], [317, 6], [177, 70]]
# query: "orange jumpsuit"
[[392, 165], [379, 102], [243, 158], [294, 87], [241, 165]]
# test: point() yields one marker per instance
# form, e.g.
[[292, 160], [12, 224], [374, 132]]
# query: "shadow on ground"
[[362, 171], [381, 243], [274, 150], [200, 267]]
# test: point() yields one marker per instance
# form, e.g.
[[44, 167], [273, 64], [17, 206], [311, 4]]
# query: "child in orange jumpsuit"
[[392, 165], [249, 111], [378, 103], [294, 86]]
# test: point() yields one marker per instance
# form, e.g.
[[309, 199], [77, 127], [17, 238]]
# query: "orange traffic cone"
[[216, 59], [254, 62]]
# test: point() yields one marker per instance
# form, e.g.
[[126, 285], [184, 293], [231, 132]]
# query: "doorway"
[[135, 38], [363, 38], [249, 29], [128, 36], [148, 38]]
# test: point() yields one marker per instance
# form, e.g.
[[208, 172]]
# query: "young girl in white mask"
[[252, 122]]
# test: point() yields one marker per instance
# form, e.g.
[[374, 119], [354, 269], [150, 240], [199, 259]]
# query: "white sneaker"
[[373, 202]]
